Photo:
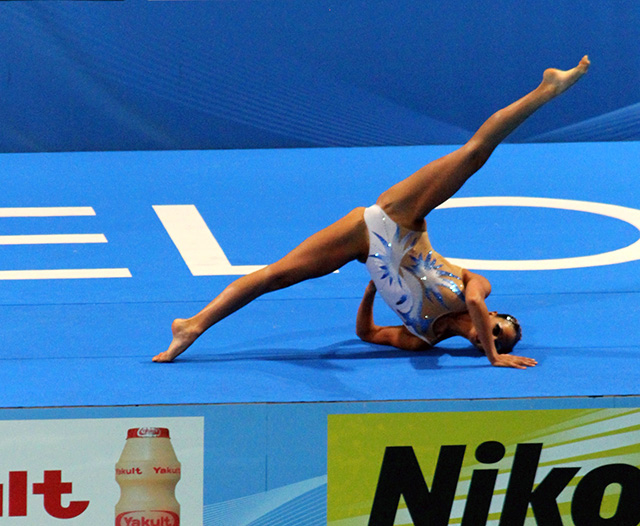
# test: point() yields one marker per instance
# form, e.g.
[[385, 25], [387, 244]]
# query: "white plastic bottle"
[[147, 473]]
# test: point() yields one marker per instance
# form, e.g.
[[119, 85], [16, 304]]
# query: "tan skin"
[[407, 203], [477, 288]]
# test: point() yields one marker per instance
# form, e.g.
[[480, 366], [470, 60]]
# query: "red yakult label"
[[145, 469], [148, 432], [148, 518]]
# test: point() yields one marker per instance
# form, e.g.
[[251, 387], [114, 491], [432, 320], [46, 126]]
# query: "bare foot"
[[561, 81], [183, 337]]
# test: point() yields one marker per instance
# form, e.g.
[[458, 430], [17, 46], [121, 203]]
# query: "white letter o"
[[622, 255]]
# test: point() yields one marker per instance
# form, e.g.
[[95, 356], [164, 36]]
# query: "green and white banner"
[[508, 468]]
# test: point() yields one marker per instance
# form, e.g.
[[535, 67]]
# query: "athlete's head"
[[506, 331]]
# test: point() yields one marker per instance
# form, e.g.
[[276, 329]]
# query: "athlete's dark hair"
[[504, 346]]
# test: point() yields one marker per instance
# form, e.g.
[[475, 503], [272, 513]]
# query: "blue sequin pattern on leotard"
[[416, 284]]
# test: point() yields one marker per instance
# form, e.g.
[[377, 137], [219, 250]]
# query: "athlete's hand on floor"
[[517, 362]]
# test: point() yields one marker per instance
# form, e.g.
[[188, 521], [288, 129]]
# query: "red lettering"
[[128, 471], [148, 518], [164, 471], [17, 494], [52, 488]]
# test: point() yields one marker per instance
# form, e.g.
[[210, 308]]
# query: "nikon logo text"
[[401, 475]]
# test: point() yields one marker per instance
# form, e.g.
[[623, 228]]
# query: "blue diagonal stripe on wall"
[[619, 125], [289, 97], [300, 504], [307, 510]]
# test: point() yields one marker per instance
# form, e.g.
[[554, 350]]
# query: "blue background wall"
[[144, 74]]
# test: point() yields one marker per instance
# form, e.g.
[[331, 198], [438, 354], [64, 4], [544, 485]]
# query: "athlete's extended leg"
[[409, 201], [328, 250]]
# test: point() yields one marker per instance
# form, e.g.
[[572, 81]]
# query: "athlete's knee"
[[273, 279], [276, 277], [477, 152]]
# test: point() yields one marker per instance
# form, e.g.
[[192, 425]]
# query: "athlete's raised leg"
[[322, 253], [409, 201]]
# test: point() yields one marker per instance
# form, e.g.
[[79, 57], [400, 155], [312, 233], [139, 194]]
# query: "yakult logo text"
[[158, 470], [401, 475], [166, 470], [129, 471], [13, 502], [149, 432], [148, 518]]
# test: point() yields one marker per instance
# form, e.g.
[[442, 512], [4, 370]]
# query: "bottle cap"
[[148, 432]]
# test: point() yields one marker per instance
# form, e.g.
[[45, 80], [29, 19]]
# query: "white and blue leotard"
[[416, 282]]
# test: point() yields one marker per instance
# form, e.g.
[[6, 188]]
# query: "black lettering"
[[400, 475], [587, 498], [490, 452], [544, 497], [476, 510], [523, 472], [483, 482], [520, 492]]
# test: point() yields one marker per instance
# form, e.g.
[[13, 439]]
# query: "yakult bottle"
[[147, 473]]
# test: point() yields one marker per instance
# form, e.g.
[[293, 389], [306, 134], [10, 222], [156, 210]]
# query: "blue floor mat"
[[89, 341]]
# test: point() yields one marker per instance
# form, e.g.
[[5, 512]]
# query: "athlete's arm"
[[395, 336], [476, 290]]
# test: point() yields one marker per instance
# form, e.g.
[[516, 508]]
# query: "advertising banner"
[[559, 462], [64, 471], [509, 468]]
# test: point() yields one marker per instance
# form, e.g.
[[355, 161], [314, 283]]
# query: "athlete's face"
[[503, 332]]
